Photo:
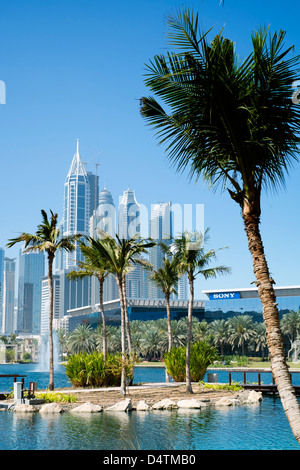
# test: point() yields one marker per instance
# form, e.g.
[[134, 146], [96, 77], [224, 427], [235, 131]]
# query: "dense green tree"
[[232, 122], [219, 331], [290, 326], [240, 330], [82, 340]]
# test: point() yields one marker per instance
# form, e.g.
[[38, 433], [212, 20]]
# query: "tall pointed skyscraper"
[[76, 205]]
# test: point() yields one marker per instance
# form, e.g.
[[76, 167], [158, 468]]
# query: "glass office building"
[[223, 304], [31, 271]]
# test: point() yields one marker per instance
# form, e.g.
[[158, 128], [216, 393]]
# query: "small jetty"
[[260, 385]]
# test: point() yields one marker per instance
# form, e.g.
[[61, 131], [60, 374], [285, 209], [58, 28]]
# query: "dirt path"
[[151, 394]]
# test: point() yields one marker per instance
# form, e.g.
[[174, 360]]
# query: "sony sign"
[[224, 296]]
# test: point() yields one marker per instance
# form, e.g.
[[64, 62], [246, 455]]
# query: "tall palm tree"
[[93, 265], [82, 340], [121, 255], [232, 122], [259, 338], [290, 326], [240, 330], [166, 278], [194, 260], [219, 331], [48, 239]]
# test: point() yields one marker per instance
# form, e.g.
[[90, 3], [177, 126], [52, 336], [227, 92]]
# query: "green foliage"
[[90, 370], [235, 387], [201, 356], [54, 397]]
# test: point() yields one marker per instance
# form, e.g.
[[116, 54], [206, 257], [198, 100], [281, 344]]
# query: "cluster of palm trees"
[[116, 256], [150, 339]]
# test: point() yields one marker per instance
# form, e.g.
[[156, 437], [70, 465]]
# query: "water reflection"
[[240, 427]]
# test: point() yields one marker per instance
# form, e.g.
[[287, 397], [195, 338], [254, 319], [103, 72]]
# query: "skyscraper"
[[129, 225], [45, 303], [77, 205], [9, 323], [160, 231], [31, 271], [104, 219], [129, 216]]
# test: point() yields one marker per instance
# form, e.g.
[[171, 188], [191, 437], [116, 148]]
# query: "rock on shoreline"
[[126, 405]]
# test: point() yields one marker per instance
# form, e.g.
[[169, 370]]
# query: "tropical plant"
[[259, 338], [201, 356], [240, 330], [232, 122], [194, 260], [219, 331], [166, 278], [48, 239], [290, 326], [81, 340], [91, 370], [93, 265], [120, 256]]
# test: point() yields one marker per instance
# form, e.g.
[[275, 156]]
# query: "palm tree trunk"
[[167, 296], [50, 287], [129, 342], [188, 337], [169, 322], [271, 318], [123, 338], [104, 338]]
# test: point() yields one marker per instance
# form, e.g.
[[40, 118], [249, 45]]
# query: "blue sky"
[[75, 69]]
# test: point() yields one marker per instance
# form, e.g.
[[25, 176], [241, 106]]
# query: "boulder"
[[143, 406], [51, 408], [22, 408], [225, 401], [165, 404], [254, 397], [192, 403], [87, 408], [124, 405]]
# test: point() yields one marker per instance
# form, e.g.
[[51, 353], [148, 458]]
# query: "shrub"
[[201, 356], [51, 397], [90, 370]]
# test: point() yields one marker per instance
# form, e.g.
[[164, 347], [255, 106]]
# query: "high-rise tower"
[[160, 231], [1, 283], [31, 271], [104, 219], [9, 324], [129, 216], [76, 205], [129, 226]]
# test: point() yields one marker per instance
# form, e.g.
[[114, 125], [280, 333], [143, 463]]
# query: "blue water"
[[250, 427]]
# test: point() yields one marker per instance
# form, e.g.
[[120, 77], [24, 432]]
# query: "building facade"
[[31, 271], [1, 284], [77, 204], [9, 320], [224, 304], [45, 303]]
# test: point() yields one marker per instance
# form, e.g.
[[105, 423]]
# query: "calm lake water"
[[252, 427]]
